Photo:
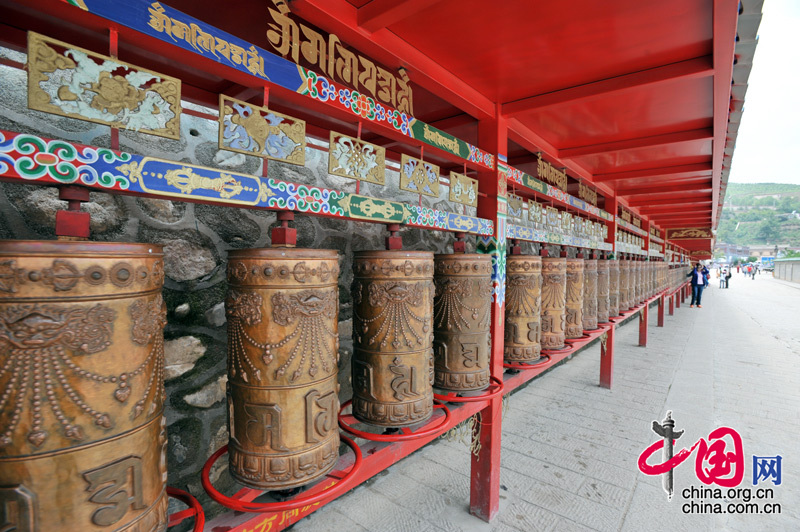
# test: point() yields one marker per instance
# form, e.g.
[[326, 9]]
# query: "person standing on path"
[[698, 276]]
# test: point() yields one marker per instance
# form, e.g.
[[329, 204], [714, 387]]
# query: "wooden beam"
[[640, 142], [691, 68], [378, 14], [654, 172]]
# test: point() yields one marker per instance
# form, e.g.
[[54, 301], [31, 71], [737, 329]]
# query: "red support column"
[[678, 297], [484, 499], [607, 358], [672, 305], [643, 318], [661, 303]]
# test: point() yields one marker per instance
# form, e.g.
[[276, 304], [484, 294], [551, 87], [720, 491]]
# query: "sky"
[[769, 136]]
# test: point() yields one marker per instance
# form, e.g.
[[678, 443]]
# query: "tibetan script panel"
[[356, 159], [69, 81], [252, 130]]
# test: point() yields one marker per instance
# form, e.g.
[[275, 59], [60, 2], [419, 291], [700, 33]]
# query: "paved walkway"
[[570, 448]]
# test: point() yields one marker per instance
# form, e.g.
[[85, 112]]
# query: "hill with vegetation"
[[760, 213]]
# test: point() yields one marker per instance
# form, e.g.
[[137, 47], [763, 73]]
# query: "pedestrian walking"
[[728, 276], [699, 281]]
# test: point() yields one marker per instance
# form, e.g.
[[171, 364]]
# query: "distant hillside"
[[760, 213]]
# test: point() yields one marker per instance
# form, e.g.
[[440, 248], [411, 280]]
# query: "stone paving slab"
[[570, 448]]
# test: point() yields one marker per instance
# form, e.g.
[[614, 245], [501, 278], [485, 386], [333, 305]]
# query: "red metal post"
[[484, 497], [607, 358], [672, 304], [643, 318], [661, 303]]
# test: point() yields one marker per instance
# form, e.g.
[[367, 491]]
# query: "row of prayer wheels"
[[553, 299], [82, 431]]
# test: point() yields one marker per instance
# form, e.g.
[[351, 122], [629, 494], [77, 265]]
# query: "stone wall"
[[196, 240]]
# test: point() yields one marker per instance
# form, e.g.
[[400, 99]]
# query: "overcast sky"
[[769, 137]]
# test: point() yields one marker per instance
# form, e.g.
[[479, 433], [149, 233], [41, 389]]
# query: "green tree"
[[768, 230]]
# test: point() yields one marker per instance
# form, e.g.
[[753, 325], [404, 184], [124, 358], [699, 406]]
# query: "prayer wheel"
[[523, 342], [82, 432], [624, 287], [633, 281], [283, 348], [393, 368], [554, 291], [589, 294], [603, 290], [574, 300], [461, 319], [613, 288]]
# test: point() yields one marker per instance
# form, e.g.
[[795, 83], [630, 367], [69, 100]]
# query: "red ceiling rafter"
[[701, 184], [640, 142], [654, 172], [692, 68], [696, 208], [378, 14], [671, 199]]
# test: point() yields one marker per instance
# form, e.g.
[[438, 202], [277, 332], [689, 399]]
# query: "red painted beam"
[[640, 142], [676, 198], [725, 21], [692, 68], [654, 172], [378, 14], [341, 17], [670, 209], [697, 184]]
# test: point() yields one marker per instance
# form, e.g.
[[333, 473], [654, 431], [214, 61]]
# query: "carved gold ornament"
[[356, 159], [69, 81], [419, 176], [253, 130]]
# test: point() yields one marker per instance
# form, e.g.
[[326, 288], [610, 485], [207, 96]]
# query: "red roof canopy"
[[640, 98]]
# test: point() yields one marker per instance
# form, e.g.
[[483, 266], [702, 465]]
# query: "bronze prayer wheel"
[[522, 342], [461, 317], [554, 293], [633, 281], [574, 300], [283, 348], [624, 292], [589, 294], [602, 290], [393, 337], [82, 433], [613, 287]]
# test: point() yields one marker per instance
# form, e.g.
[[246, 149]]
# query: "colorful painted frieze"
[[356, 159], [70, 81], [418, 176], [32, 159], [463, 189], [253, 130]]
